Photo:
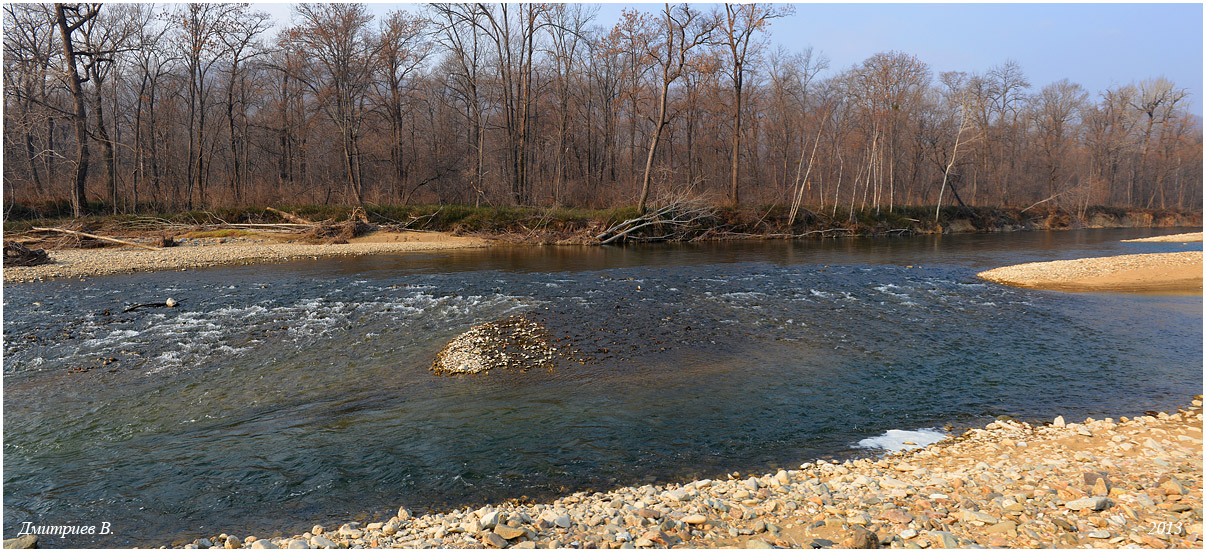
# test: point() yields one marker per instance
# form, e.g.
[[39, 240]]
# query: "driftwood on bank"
[[674, 221], [16, 254], [290, 217], [95, 237]]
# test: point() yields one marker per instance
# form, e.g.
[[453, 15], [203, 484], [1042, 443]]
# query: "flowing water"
[[278, 396]]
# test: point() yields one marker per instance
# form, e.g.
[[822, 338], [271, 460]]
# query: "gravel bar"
[[1126, 483], [80, 263]]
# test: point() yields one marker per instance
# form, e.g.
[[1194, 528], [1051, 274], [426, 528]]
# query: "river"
[[279, 396]]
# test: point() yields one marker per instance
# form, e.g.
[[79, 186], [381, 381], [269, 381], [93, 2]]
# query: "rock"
[[862, 538], [489, 519], [403, 513], [390, 528], [1059, 422], [895, 515], [1098, 534], [319, 541], [758, 544], [1007, 527], [908, 534], [23, 541], [751, 484], [298, 544], [1063, 524], [695, 519], [648, 513], [264, 544], [316, 530], [946, 539], [490, 539], [508, 532], [1094, 503], [526, 545], [563, 521], [233, 542]]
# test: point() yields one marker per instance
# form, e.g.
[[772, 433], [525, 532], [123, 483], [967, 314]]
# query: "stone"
[[695, 519], [1097, 503], [317, 530], [562, 521], [319, 541], [946, 539], [1063, 524], [908, 534], [895, 515], [1098, 534], [390, 528], [489, 519], [751, 484], [508, 532], [758, 544], [298, 544], [23, 541], [862, 538], [1059, 422], [1007, 527], [264, 545], [490, 539], [233, 542], [648, 513]]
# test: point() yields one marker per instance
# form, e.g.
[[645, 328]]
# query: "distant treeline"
[[187, 106]]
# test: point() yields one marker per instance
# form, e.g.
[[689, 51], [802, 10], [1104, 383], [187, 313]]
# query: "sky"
[[1095, 45]]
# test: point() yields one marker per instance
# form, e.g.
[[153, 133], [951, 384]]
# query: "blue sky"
[[1096, 45]]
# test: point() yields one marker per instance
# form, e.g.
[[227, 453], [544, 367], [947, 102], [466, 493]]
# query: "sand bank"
[[79, 263], [1182, 238], [1159, 272]]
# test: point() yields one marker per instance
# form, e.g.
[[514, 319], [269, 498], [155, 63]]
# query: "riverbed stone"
[[1091, 503], [491, 539], [508, 532], [319, 541]]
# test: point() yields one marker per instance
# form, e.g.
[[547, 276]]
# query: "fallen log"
[[96, 237], [16, 254], [170, 303], [290, 217]]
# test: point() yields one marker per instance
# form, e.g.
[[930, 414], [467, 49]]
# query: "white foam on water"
[[899, 439]]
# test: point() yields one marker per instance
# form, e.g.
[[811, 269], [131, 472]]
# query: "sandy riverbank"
[[1155, 272], [1182, 238], [1108, 483], [79, 263]]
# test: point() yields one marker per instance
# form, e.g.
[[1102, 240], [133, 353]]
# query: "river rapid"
[[278, 396]]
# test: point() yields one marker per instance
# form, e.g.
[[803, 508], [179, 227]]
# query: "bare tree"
[[339, 41], [683, 31], [738, 28], [70, 18]]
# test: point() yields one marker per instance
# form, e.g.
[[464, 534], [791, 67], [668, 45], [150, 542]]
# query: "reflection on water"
[[283, 395]]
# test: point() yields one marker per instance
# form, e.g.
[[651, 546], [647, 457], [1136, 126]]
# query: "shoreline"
[[212, 252], [82, 263], [1104, 483], [1147, 272]]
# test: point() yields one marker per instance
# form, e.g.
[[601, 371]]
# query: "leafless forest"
[[137, 107]]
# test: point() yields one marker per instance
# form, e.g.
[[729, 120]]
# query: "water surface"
[[278, 396]]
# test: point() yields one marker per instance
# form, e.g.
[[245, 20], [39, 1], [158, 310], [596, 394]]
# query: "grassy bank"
[[570, 225]]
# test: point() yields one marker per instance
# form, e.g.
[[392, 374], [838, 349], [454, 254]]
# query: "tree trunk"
[[79, 201]]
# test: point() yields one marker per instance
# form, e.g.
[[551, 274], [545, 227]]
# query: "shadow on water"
[[277, 396]]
